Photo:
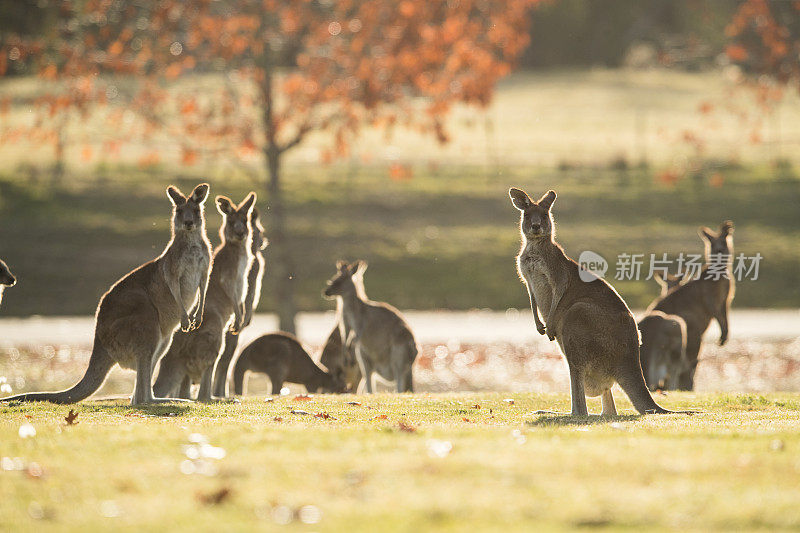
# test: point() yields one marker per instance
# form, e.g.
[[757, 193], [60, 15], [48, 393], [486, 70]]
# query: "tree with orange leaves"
[[765, 43], [291, 68]]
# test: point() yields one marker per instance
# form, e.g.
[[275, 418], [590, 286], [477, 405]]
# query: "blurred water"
[[460, 351], [480, 326]]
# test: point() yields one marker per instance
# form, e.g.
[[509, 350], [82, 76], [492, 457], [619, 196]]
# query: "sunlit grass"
[[463, 461]]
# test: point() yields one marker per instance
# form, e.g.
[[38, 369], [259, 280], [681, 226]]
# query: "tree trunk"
[[279, 256]]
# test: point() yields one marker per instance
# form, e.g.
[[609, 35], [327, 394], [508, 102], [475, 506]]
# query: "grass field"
[[446, 237], [449, 462]]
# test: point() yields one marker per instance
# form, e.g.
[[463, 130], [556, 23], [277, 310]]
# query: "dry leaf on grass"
[[71, 417], [214, 498], [408, 428], [303, 397]]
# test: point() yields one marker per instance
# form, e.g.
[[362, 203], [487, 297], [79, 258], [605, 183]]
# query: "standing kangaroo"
[[254, 276], [282, 358], [382, 340], [705, 298], [7, 279], [137, 316], [192, 357], [663, 350], [592, 324]]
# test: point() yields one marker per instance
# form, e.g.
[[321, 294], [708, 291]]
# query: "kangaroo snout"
[[10, 281]]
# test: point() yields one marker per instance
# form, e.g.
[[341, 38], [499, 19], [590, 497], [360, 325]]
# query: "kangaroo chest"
[[232, 276], [534, 270], [195, 267]]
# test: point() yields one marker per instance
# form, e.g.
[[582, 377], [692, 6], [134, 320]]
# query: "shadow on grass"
[[569, 420], [121, 405]]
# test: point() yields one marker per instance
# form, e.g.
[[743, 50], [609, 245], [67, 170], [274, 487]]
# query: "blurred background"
[[390, 132]]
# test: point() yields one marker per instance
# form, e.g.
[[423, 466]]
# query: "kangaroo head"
[[7, 279], [332, 383], [235, 224], [718, 243], [536, 220], [346, 278], [187, 213], [670, 281], [259, 242]]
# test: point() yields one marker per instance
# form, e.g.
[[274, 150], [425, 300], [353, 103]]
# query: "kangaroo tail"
[[100, 364], [632, 382], [223, 365], [240, 368]]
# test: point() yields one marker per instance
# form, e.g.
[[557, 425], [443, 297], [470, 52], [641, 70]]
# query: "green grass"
[[446, 239], [733, 466]]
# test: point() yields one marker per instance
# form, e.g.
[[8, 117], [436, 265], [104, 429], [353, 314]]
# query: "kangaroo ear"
[[358, 267], [706, 234], [341, 266], [248, 202], [224, 205], [254, 215], [546, 201], [726, 228], [175, 196], [520, 198], [659, 279], [200, 193]]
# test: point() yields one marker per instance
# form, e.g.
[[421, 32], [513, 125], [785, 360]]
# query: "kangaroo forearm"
[[534, 307], [175, 289], [553, 306]]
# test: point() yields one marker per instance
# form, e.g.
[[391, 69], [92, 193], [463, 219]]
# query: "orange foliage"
[[350, 63]]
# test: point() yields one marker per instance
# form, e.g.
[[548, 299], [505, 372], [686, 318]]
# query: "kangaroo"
[[136, 318], [381, 338], [7, 279], [254, 276], [670, 281], [705, 298], [192, 357], [341, 363], [282, 358], [592, 324], [663, 350]]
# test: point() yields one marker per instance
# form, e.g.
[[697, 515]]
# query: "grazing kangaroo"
[[663, 350], [669, 282], [381, 338], [192, 357], [7, 279], [705, 298], [282, 358], [137, 316], [254, 276], [341, 363], [592, 324]]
